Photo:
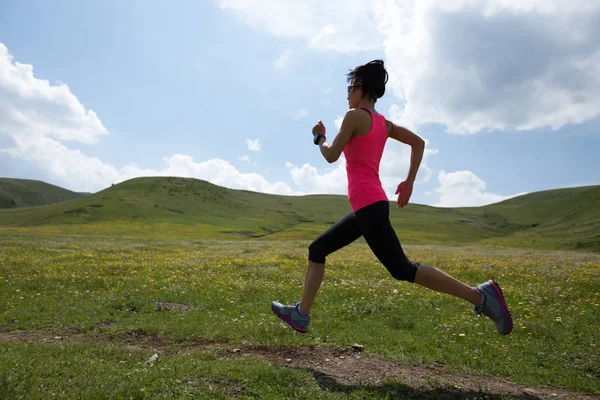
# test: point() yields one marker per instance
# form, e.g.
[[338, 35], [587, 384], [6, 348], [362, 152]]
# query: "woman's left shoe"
[[494, 306]]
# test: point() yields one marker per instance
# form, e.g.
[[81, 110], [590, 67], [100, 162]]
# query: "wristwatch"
[[318, 137]]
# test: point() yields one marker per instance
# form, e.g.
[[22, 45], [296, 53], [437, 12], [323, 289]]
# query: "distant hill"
[[568, 217], [25, 193], [554, 219]]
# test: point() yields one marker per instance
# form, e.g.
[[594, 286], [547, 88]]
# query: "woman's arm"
[[414, 141], [332, 152], [404, 190]]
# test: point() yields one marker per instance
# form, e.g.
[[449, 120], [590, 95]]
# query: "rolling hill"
[[554, 219], [25, 193]]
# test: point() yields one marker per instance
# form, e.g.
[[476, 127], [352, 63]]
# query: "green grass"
[[104, 371], [557, 219], [107, 286], [26, 192]]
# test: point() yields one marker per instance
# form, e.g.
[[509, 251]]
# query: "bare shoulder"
[[356, 113], [352, 118], [358, 116]]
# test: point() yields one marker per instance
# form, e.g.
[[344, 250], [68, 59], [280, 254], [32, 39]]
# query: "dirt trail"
[[335, 369], [343, 369]]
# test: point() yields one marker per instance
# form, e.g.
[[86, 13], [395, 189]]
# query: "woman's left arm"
[[332, 151], [404, 190]]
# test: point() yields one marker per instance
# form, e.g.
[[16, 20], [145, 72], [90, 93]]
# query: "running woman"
[[362, 138]]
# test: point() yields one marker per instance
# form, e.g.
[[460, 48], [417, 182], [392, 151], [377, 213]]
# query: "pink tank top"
[[363, 155]]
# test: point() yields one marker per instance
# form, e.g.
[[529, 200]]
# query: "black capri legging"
[[372, 222]]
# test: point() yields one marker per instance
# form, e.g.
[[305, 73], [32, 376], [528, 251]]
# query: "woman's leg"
[[434, 279], [338, 235], [312, 282], [380, 235]]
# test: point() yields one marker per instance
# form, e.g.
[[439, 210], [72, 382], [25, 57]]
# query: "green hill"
[[183, 201], [24, 193], [554, 219]]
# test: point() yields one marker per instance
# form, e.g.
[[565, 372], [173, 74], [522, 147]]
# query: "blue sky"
[[228, 91]]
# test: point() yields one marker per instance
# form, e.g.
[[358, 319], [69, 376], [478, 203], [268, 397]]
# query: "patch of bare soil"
[[470, 223], [335, 369], [245, 234], [345, 370], [163, 306]]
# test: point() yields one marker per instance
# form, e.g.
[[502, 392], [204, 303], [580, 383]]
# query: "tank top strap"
[[370, 111]]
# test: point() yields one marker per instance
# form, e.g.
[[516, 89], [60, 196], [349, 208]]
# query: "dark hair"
[[371, 78]]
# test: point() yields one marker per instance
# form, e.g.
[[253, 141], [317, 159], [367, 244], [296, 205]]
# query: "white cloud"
[[470, 65], [324, 25], [324, 34], [78, 171], [31, 109], [283, 60], [308, 179], [221, 173], [338, 122], [246, 158], [490, 65], [84, 173], [302, 113], [253, 144], [395, 115], [465, 189], [36, 116]]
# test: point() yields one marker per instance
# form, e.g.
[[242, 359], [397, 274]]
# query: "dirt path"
[[335, 369], [344, 369]]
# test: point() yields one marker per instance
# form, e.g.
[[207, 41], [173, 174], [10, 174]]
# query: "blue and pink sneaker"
[[494, 306], [291, 315]]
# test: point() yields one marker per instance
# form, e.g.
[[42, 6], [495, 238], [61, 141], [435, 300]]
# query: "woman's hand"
[[404, 191], [318, 128]]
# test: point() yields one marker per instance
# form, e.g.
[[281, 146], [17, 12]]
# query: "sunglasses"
[[351, 87]]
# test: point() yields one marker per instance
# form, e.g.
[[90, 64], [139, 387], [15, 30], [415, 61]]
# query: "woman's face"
[[354, 95]]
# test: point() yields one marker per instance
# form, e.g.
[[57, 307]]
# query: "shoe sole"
[[289, 321], [503, 304]]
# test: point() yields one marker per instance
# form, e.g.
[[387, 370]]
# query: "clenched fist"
[[318, 128]]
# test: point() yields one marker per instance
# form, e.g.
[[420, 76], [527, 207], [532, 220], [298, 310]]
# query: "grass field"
[[82, 312]]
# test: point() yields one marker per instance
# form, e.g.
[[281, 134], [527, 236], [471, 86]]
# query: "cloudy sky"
[[506, 93]]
